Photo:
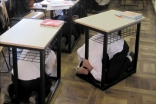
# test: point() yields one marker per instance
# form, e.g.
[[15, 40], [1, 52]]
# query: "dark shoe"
[[72, 42], [7, 99], [11, 92], [33, 99], [130, 68], [63, 43], [132, 55]]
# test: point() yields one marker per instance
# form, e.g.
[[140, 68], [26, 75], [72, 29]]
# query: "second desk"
[[107, 23]]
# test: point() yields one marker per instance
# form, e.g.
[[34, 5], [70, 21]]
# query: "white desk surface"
[[46, 2], [29, 33], [106, 21], [38, 6]]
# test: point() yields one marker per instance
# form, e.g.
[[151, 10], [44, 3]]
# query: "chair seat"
[[35, 15]]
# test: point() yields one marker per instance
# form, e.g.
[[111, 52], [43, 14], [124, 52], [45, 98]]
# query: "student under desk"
[[55, 11], [68, 31], [107, 23], [29, 34]]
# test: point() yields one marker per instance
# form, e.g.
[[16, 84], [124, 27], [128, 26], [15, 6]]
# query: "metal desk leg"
[[104, 61], [51, 14], [86, 42], [80, 6], [58, 66], [59, 55], [84, 4], [137, 45], [42, 72], [15, 68], [119, 33], [70, 29]]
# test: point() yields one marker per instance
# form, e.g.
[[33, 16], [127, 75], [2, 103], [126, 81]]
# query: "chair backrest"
[[22, 7], [17, 8], [4, 20], [4, 10]]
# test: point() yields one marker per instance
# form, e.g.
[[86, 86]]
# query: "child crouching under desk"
[[29, 73], [118, 58]]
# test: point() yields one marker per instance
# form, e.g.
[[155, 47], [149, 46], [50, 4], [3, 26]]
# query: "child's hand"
[[82, 70], [87, 65]]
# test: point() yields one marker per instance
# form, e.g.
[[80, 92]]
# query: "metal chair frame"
[[5, 61], [125, 4]]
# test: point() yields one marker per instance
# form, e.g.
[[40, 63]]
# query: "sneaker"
[[63, 43], [7, 99], [33, 99], [132, 55], [11, 92], [130, 68], [72, 42]]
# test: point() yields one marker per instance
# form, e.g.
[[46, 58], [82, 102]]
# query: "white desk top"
[[29, 33], [38, 6], [46, 2], [106, 21]]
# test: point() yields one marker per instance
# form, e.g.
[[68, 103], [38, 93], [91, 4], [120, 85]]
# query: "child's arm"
[[87, 65]]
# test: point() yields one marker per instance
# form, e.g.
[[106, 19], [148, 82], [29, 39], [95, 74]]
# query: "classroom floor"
[[140, 88]]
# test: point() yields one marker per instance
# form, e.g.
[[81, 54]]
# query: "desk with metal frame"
[[70, 12], [107, 23], [29, 34]]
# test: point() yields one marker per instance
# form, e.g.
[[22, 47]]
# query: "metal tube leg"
[[42, 78], [137, 45], [70, 30], [86, 42], [104, 61], [51, 14], [124, 3], [15, 69], [143, 4], [59, 55]]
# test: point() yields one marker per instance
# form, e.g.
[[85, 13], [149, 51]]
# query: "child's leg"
[[116, 63], [128, 64], [48, 85]]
